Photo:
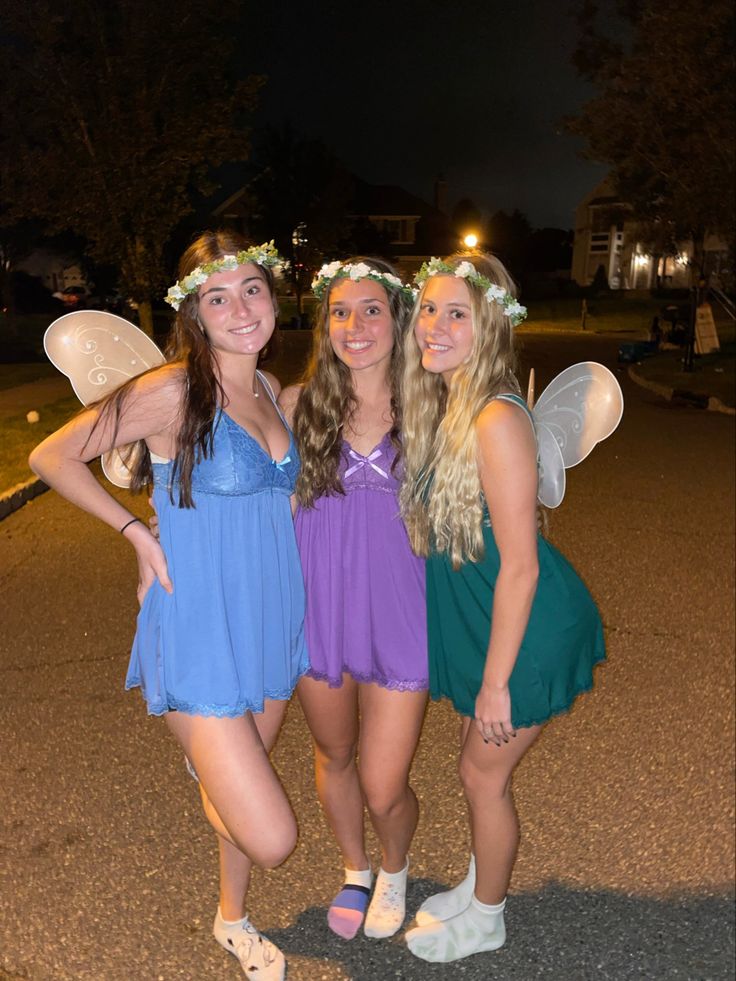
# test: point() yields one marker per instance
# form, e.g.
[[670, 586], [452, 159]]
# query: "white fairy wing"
[[98, 351], [582, 406], [115, 468]]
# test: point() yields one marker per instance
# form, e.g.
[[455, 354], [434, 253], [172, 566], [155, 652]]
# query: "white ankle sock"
[[443, 905], [478, 928], [387, 910]]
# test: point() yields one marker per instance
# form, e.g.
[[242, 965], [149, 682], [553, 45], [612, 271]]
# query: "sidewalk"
[[711, 385]]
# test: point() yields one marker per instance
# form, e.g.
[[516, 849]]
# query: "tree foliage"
[[112, 112], [509, 236], [663, 118]]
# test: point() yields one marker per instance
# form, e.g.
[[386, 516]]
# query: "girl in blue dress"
[[219, 645]]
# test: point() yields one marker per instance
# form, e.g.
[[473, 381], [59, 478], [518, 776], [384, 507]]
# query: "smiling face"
[[236, 310], [444, 326], [360, 323]]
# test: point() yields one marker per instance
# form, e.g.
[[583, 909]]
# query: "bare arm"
[[61, 461], [507, 456]]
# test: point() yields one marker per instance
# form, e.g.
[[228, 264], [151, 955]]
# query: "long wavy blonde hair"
[[441, 497], [327, 399]]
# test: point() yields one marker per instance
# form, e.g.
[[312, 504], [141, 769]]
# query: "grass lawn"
[[20, 436], [616, 314], [19, 374]]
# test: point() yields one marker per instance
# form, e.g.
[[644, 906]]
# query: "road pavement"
[[107, 867]]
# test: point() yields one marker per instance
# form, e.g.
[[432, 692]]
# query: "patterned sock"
[[260, 959], [387, 910], [346, 912], [443, 905], [478, 928]]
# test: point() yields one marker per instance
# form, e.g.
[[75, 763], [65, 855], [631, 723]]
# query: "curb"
[[695, 399], [19, 495]]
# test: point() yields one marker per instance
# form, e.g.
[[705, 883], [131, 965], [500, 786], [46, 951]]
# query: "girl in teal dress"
[[513, 633]]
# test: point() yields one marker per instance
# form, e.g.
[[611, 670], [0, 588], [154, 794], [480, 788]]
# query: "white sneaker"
[[260, 959]]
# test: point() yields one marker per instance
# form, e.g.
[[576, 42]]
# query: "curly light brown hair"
[[327, 400]]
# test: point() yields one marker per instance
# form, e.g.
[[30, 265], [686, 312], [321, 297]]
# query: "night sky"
[[404, 91]]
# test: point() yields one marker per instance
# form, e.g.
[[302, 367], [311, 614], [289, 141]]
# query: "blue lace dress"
[[232, 632]]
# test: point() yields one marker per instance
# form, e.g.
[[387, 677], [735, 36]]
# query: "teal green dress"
[[562, 643]]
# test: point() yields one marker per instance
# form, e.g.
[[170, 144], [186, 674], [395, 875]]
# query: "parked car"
[[74, 297]]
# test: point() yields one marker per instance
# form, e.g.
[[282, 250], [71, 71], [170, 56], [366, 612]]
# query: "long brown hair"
[[188, 346], [327, 399]]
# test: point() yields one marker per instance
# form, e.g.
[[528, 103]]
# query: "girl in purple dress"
[[366, 635]]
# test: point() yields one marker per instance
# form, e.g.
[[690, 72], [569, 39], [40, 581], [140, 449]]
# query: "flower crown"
[[355, 271], [466, 270], [261, 255]]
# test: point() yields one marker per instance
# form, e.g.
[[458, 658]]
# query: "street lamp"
[[470, 240]]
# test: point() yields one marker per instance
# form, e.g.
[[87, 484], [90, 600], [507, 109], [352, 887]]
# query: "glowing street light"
[[471, 240]]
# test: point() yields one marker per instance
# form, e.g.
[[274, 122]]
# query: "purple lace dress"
[[366, 612]]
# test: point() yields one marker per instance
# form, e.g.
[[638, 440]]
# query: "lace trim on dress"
[[219, 711], [366, 679]]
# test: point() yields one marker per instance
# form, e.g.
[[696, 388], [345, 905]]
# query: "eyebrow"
[[449, 303], [221, 289], [374, 299]]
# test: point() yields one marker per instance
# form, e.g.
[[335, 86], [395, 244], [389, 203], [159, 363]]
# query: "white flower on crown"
[[465, 270], [394, 280], [329, 269], [195, 278], [229, 262], [176, 293], [515, 310], [360, 270], [495, 292]]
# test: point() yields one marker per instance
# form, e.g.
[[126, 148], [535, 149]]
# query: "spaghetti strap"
[[272, 395], [515, 399], [267, 385]]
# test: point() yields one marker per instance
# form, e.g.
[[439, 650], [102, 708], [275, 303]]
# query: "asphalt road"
[[107, 867]]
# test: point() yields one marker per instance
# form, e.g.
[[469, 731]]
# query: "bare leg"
[[235, 867], [391, 722], [240, 784], [332, 716], [485, 770], [390, 725]]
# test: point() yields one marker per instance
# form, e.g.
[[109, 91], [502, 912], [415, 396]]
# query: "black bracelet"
[[129, 523]]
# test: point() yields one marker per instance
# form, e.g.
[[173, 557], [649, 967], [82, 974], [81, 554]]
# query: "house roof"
[[388, 200]]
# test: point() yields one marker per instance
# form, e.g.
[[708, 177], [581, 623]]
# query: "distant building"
[[409, 229], [413, 229], [606, 235], [56, 270]]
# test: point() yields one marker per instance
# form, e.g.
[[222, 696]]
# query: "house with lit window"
[[606, 236], [413, 229], [385, 220]]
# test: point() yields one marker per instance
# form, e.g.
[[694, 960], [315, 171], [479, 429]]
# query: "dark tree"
[[664, 116], [549, 250], [298, 182], [509, 238], [112, 113]]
